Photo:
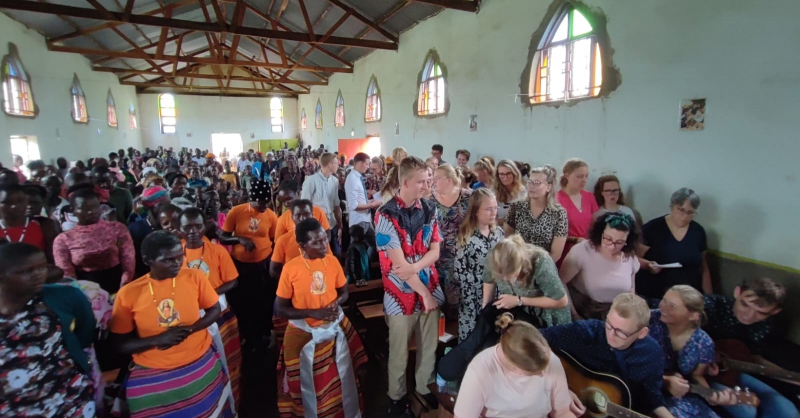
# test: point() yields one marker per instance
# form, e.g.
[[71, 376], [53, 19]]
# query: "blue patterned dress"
[[699, 349]]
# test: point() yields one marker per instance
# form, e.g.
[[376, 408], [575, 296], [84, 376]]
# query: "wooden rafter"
[[330, 31], [182, 73], [465, 5], [367, 21], [81, 12], [200, 88], [393, 11]]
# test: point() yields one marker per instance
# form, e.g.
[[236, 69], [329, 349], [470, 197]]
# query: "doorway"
[[227, 146], [26, 147]]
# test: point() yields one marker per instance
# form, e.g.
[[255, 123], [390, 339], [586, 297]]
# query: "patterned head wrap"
[[260, 190], [151, 196]]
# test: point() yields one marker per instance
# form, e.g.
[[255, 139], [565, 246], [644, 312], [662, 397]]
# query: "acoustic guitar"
[[606, 395], [735, 357]]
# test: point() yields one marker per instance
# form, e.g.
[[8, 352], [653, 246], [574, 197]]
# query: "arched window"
[[373, 112], [17, 94], [112, 110], [276, 114], [303, 122], [132, 116], [339, 121], [79, 112], [318, 116], [432, 87], [567, 63], [167, 113]]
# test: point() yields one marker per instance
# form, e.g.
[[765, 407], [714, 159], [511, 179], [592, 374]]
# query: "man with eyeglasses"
[[621, 346]]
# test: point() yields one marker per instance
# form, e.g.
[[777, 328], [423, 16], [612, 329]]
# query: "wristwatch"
[[519, 302]]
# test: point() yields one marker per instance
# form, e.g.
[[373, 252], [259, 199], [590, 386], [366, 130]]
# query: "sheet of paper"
[[670, 266], [446, 337]]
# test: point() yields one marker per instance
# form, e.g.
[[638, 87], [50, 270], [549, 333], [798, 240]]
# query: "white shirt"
[[323, 192], [242, 163], [356, 195], [199, 160]]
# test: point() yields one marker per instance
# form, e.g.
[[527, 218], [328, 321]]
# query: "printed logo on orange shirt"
[[168, 316], [254, 224], [318, 285]]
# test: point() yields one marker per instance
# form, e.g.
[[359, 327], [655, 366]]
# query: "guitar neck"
[[763, 370], [701, 390], [617, 411]]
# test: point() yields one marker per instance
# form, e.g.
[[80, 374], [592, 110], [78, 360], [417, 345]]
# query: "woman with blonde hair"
[[392, 183], [451, 202], [688, 351], [579, 203], [508, 188], [477, 235], [518, 377], [540, 220], [525, 275], [377, 175], [484, 173]]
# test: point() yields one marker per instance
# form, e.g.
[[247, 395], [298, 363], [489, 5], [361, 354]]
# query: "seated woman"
[[674, 238], [156, 318], [319, 337], [484, 173], [217, 265], [525, 275], [477, 235], [179, 187], [16, 226], [609, 197], [688, 351], [519, 377], [44, 330], [602, 267]]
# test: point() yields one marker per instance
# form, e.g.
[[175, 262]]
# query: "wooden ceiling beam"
[[266, 93], [367, 21], [304, 56], [239, 89], [393, 11], [182, 74], [85, 13], [465, 5], [192, 60]]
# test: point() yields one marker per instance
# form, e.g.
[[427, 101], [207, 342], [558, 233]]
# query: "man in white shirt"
[[322, 189], [358, 199]]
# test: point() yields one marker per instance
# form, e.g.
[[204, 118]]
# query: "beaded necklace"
[[24, 230]]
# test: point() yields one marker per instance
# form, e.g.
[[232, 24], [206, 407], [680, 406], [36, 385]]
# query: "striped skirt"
[[229, 331], [327, 386], [196, 390]]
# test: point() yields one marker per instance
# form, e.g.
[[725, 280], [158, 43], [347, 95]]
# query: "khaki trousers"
[[426, 328]]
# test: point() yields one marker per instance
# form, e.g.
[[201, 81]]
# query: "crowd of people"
[[166, 266]]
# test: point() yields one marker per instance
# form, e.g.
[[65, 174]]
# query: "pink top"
[[580, 221], [95, 247], [491, 390], [596, 276]]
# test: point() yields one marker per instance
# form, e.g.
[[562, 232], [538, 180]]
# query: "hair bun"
[[504, 321]]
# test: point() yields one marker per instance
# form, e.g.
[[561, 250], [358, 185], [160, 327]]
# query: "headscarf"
[[210, 155], [260, 190], [182, 203], [152, 195]]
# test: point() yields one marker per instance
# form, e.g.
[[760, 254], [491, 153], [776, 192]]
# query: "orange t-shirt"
[[213, 260], [314, 287], [286, 224], [287, 249], [180, 305], [243, 221]]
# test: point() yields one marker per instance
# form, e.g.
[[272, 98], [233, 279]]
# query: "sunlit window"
[[568, 63], [276, 114], [17, 96], [167, 114], [303, 121], [373, 110], [431, 88], [112, 110], [79, 112], [339, 121], [132, 117], [318, 116]]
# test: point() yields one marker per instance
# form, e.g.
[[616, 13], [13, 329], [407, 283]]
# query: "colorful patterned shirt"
[[412, 229]]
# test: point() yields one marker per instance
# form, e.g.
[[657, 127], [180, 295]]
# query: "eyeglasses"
[[686, 212], [608, 240], [620, 333], [611, 191], [491, 209], [535, 183], [509, 174]]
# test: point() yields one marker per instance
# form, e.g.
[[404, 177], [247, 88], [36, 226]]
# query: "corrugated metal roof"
[[395, 16]]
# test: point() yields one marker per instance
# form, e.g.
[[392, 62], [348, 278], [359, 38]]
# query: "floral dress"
[[541, 230], [468, 273], [450, 218], [699, 349], [38, 378]]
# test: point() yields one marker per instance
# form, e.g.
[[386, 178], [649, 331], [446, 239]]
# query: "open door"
[[352, 146], [226, 145]]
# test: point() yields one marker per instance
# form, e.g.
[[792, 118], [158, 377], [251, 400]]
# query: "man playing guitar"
[[620, 345], [747, 318]]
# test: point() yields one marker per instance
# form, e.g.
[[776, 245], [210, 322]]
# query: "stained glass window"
[[112, 110], [79, 112], [17, 96], [373, 109], [167, 113], [276, 114], [431, 88], [318, 116], [339, 121]]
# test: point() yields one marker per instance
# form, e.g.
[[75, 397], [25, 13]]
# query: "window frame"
[[373, 96], [78, 102], [339, 119], [111, 110], [303, 120], [23, 81], [161, 116], [430, 67], [272, 117], [318, 115], [540, 66]]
